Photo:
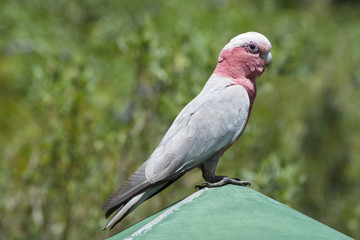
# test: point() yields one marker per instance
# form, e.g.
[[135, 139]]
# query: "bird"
[[204, 129]]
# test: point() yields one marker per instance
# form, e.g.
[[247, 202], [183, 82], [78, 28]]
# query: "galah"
[[203, 130]]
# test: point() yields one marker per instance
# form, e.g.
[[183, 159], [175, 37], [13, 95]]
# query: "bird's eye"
[[252, 48]]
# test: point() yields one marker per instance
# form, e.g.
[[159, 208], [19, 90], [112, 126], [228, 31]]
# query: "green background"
[[88, 88]]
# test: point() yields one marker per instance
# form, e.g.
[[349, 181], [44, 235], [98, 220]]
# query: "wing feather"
[[206, 125]]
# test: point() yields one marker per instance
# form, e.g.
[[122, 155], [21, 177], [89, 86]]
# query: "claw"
[[224, 181], [203, 185]]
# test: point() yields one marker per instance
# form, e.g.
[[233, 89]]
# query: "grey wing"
[[205, 126]]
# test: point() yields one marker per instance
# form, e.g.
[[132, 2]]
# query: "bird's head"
[[246, 55]]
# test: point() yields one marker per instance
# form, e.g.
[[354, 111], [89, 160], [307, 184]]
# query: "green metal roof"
[[229, 212]]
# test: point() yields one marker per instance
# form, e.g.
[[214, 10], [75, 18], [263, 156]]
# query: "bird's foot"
[[224, 181]]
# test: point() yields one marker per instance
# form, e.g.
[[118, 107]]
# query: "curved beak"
[[267, 57]]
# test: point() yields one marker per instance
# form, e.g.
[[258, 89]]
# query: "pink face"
[[242, 62]]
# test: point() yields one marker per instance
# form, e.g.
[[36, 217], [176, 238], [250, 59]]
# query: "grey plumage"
[[190, 140]]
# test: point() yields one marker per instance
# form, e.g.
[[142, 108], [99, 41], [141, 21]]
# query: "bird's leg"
[[208, 171], [222, 181]]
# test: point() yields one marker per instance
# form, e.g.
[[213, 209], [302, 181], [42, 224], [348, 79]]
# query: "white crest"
[[246, 38]]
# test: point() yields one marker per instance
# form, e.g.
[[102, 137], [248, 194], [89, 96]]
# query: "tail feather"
[[133, 186], [129, 204], [122, 211]]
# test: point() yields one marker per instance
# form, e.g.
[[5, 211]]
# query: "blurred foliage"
[[88, 88]]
